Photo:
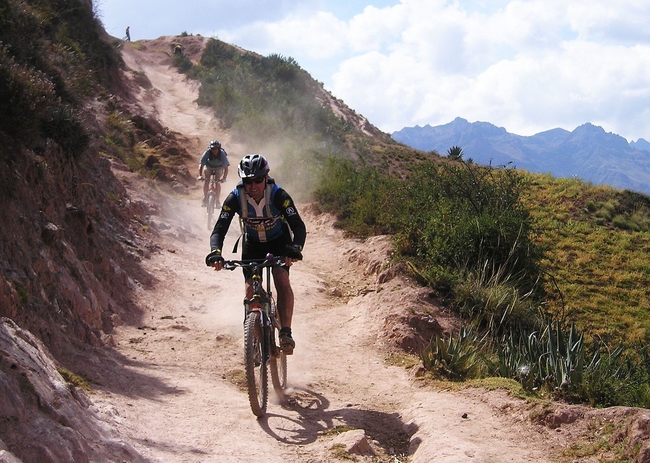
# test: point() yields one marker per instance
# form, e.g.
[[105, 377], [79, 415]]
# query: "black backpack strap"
[[234, 249]]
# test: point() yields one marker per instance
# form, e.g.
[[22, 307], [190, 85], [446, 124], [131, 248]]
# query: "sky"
[[525, 65]]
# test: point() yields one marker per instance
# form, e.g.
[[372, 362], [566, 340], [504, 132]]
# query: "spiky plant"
[[457, 357]]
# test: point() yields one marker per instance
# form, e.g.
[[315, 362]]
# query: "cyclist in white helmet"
[[271, 225]]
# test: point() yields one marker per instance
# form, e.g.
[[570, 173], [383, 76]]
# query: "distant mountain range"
[[588, 152]]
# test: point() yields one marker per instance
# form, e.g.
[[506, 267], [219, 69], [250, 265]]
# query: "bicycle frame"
[[213, 184], [261, 295]]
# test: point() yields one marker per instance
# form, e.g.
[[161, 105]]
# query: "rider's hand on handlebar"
[[215, 260], [200, 177], [292, 254]]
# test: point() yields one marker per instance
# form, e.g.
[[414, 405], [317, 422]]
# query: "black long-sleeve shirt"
[[273, 217]]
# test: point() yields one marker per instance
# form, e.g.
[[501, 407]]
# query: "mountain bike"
[[261, 334]]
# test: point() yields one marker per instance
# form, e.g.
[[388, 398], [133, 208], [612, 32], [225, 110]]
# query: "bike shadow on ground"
[[310, 417]]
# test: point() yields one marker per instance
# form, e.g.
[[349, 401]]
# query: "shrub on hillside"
[[264, 99], [468, 218], [50, 60], [65, 127], [27, 95], [182, 62], [457, 217]]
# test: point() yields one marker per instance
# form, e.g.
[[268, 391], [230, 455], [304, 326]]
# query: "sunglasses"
[[256, 180]]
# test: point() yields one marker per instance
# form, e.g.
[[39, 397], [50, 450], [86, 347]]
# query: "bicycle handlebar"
[[270, 261], [201, 177]]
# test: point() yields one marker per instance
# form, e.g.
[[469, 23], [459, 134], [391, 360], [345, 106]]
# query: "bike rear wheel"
[[256, 372], [212, 200], [278, 367]]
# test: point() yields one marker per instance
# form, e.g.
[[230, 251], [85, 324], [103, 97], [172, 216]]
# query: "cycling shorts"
[[216, 171], [255, 251]]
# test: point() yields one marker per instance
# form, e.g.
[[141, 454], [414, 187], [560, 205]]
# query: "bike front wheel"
[[255, 364]]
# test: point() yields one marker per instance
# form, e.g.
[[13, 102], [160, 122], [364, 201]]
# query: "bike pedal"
[[287, 345]]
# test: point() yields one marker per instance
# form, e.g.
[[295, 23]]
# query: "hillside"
[[118, 344], [588, 152]]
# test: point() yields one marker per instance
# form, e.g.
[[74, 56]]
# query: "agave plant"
[[518, 355], [617, 377], [552, 359], [564, 361], [455, 153], [457, 357]]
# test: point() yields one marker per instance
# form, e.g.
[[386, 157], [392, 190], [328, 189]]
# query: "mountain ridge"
[[588, 152]]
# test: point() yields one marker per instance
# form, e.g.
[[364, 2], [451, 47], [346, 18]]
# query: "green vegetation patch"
[[553, 291], [51, 59], [600, 271], [74, 379]]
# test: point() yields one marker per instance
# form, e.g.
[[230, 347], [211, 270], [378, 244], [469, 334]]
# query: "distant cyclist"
[[271, 225], [214, 161]]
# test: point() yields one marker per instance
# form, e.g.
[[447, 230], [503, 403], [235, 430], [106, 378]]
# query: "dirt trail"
[[179, 397]]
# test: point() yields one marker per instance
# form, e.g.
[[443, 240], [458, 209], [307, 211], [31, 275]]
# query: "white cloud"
[[624, 20], [375, 28], [319, 35]]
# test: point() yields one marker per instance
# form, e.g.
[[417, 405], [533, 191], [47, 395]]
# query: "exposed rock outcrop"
[[46, 418]]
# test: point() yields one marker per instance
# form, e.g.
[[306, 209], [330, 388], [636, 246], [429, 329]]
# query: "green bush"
[[487, 221], [182, 62], [495, 300], [364, 200], [282, 68], [450, 217], [617, 377], [51, 59]]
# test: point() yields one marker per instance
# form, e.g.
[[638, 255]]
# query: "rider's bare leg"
[[206, 185], [285, 297]]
